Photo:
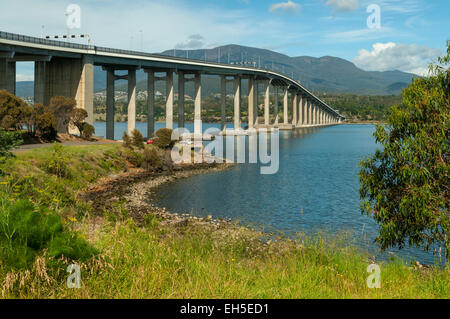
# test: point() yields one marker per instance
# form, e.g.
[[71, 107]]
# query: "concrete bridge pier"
[[276, 106], [300, 111], [150, 102], [7, 73], [223, 101], [237, 102], [198, 105], [252, 102], [111, 77], [169, 99], [181, 86], [72, 78], [110, 103], [131, 100], [267, 103], [294, 108], [39, 81]]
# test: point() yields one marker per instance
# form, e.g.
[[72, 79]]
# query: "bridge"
[[67, 69]]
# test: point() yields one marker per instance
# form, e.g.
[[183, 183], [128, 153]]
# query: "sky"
[[408, 35]]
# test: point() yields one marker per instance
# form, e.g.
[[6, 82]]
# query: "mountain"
[[325, 74]]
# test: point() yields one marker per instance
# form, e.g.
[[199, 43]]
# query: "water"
[[315, 190]]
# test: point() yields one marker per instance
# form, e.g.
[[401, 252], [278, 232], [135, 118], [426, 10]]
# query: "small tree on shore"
[[62, 108], [405, 186], [14, 112]]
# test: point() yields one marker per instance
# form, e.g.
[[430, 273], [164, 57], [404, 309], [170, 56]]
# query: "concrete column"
[[300, 111], [223, 101], [85, 91], [237, 102], [252, 99], [285, 106], [310, 113], [131, 100], [294, 108], [8, 76], [110, 79], [180, 99], [150, 103], [198, 105], [276, 105], [169, 99], [39, 81], [266, 102], [314, 114]]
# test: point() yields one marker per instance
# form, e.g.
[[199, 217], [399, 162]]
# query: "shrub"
[[57, 164], [26, 230], [14, 112], [77, 117], [8, 140], [133, 157], [137, 139], [87, 131], [164, 138], [126, 140], [62, 108], [151, 159], [44, 122]]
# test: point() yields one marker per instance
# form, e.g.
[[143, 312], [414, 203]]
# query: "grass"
[[191, 261]]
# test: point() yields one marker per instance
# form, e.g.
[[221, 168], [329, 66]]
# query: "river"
[[316, 189]]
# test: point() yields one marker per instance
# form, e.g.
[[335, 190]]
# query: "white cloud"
[[343, 5], [289, 6], [195, 41], [397, 56]]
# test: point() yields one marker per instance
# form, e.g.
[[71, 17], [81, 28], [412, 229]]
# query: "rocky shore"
[[133, 190]]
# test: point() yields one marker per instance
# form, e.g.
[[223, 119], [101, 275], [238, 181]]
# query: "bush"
[[62, 108], [87, 131], [8, 140], [404, 186], [14, 112], [77, 117], [133, 157], [164, 138], [151, 159], [137, 139], [26, 230], [126, 140], [44, 122], [58, 163]]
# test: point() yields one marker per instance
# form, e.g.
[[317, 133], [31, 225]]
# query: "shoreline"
[[136, 187]]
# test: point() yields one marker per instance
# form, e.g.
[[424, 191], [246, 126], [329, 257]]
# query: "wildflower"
[[72, 219]]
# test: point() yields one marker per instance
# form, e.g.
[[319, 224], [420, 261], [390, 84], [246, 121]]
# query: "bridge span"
[[67, 69]]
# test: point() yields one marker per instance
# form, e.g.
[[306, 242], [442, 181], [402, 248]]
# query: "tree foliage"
[[8, 140], [137, 139], [405, 186], [14, 112], [77, 118], [164, 138], [44, 122], [62, 108]]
